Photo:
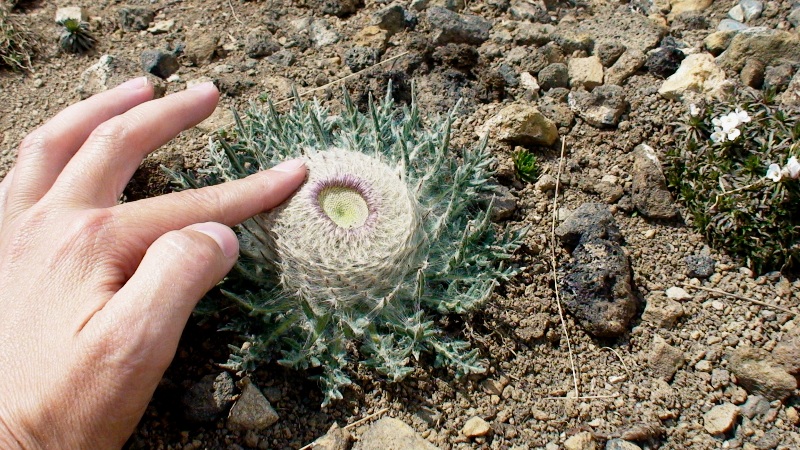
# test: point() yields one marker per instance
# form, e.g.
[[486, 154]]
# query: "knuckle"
[[194, 245], [110, 132], [209, 200], [34, 143]]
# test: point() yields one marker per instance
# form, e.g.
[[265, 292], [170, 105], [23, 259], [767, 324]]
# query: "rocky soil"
[[664, 359]]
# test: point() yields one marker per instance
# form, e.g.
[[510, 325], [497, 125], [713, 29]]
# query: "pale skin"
[[94, 294]]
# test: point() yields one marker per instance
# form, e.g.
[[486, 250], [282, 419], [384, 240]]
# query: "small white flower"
[[729, 121], [792, 167], [774, 172], [742, 116], [694, 111], [733, 134], [718, 135]]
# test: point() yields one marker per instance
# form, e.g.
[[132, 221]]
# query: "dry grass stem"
[[555, 271], [741, 297], [345, 78], [622, 361]]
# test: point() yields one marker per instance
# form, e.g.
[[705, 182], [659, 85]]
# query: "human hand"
[[94, 295]]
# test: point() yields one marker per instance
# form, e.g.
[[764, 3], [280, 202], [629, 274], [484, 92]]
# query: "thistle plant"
[[736, 169], [75, 37], [386, 233]]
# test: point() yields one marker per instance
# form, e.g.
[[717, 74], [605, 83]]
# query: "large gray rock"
[[758, 373], [454, 28], [588, 221], [772, 47], [649, 191], [602, 108], [597, 288], [617, 26], [252, 411], [389, 433], [522, 125]]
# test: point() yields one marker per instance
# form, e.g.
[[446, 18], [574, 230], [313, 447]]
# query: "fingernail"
[[223, 235], [289, 166], [202, 86], [136, 83]]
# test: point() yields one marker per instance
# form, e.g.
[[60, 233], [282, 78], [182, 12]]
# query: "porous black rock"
[[597, 288]]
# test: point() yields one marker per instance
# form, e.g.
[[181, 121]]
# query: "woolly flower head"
[[389, 230], [353, 224]]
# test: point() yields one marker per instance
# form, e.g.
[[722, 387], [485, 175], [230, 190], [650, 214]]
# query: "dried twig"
[[345, 78], [555, 271], [234, 13], [742, 297], [624, 366]]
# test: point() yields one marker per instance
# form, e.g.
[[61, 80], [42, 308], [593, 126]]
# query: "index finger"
[[230, 203]]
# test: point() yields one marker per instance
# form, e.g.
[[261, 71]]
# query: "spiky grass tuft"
[[386, 233], [76, 38], [16, 43]]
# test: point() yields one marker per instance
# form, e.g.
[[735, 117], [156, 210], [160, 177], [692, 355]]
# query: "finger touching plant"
[[736, 169], [386, 233]]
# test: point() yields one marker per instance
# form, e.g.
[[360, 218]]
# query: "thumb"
[[176, 271]]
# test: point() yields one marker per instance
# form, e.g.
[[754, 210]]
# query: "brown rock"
[[758, 373], [650, 195], [665, 359], [787, 352]]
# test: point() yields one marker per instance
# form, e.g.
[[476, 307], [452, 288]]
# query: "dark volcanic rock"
[[260, 43], [358, 58], [340, 8], [555, 75], [451, 27], [597, 288], [664, 61], [698, 266], [159, 63]]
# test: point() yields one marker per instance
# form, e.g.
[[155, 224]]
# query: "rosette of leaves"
[[388, 232], [724, 186], [75, 37]]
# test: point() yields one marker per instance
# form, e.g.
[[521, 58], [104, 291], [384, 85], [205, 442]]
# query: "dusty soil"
[[523, 394]]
